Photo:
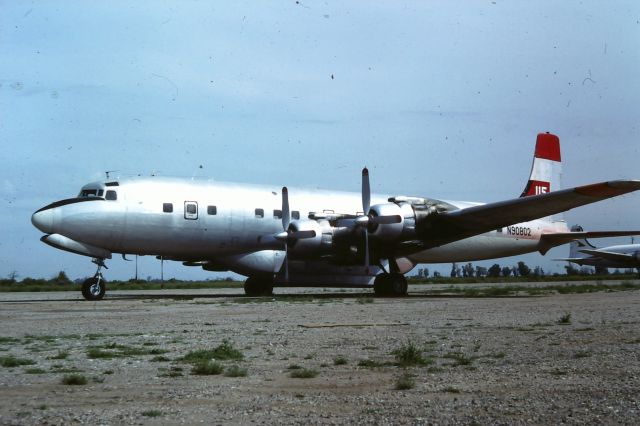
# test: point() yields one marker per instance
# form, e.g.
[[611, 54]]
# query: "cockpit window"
[[89, 193], [111, 195]]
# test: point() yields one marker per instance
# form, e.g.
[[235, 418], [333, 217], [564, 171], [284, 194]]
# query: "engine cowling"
[[320, 244], [389, 232]]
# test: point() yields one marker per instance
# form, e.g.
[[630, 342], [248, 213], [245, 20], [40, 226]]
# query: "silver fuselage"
[[194, 220]]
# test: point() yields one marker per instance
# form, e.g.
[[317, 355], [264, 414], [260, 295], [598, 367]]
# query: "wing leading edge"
[[449, 226]]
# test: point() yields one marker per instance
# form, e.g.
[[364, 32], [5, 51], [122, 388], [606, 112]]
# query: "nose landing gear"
[[95, 287]]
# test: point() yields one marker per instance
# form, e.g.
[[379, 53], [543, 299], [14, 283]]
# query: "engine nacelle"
[[320, 244], [388, 232]]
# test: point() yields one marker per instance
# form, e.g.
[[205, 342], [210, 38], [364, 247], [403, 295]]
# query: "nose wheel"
[[95, 287]]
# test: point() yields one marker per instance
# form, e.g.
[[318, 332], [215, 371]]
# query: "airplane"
[[582, 252], [300, 237]]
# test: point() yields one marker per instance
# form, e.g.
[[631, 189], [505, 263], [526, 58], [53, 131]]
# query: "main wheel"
[[258, 286], [94, 288], [398, 285], [381, 285]]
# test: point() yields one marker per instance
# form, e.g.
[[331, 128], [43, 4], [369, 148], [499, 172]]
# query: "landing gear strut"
[[258, 286], [392, 285], [95, 287]]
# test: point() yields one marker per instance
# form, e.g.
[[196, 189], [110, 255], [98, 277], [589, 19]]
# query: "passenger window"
[[100, 192], [190, 210], [260, 213], [167, 207], [212, 210], [295, 214], [112, 195], [277, 214]]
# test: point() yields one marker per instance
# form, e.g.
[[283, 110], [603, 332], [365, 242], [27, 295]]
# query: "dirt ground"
[[571, 358]]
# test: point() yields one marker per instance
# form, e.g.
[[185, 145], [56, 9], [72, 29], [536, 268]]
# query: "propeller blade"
[[286, 262], [286, 215], [366, 251], [366, 191], [385, 220]]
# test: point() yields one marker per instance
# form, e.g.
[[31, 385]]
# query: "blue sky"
[[437, 98]]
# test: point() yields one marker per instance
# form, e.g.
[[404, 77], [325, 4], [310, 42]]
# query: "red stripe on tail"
[[548, 147]]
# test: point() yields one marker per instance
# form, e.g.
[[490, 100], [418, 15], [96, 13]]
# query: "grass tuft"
[[340, 360], [207, 368], [405, 382], [303, 373], [74, 380], [12, 361], [152, 413], [409, 355], [236, 371], [565, 319]]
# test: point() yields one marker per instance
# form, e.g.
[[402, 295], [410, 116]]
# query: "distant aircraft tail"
[[577, 245], [546, 168]]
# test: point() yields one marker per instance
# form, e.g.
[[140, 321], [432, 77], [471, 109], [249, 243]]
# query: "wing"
[[609, 255], [449, 226]]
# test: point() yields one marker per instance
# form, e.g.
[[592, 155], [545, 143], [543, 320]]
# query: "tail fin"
[[546, 167], [577, 245]]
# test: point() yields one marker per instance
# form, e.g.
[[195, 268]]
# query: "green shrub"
[[74, 380], [405, 382], [207, 368]]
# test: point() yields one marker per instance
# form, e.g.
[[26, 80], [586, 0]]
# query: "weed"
[[310, 356], [304, 373], [152, 413], [364, 300], [42, 407], [340, 360], [34, 370], [107, 372], [5, 340], [74, 379], [405, 382], [409, 355], [207, 368], [370, 363], [498, 355], [235, 371], [565, 319], [294, 367], [12, 361], [451, 389], [159, 358], [582, 354], [459, 358], [97, 379], [225, 351], [60, 355]]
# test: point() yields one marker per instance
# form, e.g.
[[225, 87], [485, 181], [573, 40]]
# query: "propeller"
[[289, 235], [368, 218]]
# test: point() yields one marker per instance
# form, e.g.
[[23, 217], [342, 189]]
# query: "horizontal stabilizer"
[[458, 224], [609, 255]]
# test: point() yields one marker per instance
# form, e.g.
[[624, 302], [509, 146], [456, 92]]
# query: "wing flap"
[[455, 225]]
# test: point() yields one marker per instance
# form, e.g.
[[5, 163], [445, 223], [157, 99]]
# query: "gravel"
[[506, 360]]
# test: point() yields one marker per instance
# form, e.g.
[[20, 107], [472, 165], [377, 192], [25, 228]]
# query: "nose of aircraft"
[[43, 220]]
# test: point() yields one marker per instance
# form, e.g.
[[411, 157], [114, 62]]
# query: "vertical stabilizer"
[[577, 245], [546, 167]]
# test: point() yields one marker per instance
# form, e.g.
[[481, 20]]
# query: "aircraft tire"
[[381, 285], [94, 288], [258, 286], [397, 285]]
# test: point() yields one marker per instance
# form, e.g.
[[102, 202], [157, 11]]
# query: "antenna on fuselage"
[[109, 171]]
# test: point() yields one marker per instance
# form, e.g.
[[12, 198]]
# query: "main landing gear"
[[259, 285], [391, 284], [95, 287]]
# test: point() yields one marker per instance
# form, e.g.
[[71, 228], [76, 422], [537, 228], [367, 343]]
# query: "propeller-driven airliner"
[[299, 237], [583, 253]]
